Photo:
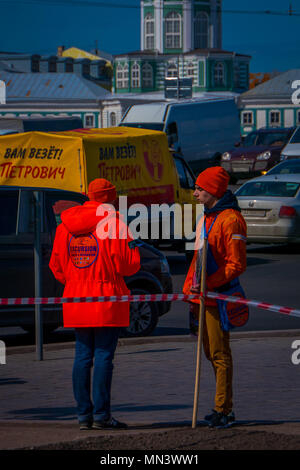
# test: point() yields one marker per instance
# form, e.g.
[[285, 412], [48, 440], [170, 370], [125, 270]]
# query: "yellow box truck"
[[143, 168], [137, 161]]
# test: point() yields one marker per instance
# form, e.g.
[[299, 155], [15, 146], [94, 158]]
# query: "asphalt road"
[[272, 276]]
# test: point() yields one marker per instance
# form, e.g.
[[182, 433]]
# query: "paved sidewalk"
[[153, 387]]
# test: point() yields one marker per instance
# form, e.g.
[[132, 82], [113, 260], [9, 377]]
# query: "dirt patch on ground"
[[184, 439]]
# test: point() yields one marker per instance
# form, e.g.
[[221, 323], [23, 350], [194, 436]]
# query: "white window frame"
[[135, 75], [86, 119], [219, 74], [113, 119], [201, 30], [126, 75], [173, 30], [247, 118], [122, 76], [172, 70], [147, 76], [119, 76], [274, 122], [149, 32], [190, 69]]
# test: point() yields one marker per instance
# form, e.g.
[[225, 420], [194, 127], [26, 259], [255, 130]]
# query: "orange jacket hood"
[[82, 219]]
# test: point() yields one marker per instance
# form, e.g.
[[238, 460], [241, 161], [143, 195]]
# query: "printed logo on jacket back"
[[83, 250]]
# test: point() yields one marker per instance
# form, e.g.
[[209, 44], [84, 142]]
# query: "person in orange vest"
[[92, 252], [225, 230]]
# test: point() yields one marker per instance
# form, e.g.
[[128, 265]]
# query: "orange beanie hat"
[[102, 190], [214, 180]]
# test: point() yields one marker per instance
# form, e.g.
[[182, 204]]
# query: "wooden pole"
[[200, 332]]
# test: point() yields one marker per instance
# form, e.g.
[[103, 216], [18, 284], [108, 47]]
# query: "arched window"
[[113, 119], [147, 76], [219, 74], [126, 76], [172, 70], [119, 76], [190, 69], [135, 76], [149, 32], [201, 28], [122, 76], [173, 31]]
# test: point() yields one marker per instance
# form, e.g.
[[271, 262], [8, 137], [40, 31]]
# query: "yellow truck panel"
[[137, 161]]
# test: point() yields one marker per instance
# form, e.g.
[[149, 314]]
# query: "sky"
[[40, 26]]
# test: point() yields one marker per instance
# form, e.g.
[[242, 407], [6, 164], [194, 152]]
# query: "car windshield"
[[269, 189], [265, 138], [296, 137], [285, 168], [155, 126]]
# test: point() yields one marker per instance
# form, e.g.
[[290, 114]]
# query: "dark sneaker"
[[85, 425], [219, 420], [111, 423]]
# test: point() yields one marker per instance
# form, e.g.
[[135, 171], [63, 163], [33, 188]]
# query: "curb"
[[159, 339]]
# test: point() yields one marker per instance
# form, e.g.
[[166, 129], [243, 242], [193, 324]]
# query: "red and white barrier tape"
[[147, 297], [254, 303]]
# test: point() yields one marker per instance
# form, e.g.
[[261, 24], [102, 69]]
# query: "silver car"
[[270, 205], [292, 148], [286, 167]]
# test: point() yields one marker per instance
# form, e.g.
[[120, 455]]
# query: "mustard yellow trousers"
[[216, 345]]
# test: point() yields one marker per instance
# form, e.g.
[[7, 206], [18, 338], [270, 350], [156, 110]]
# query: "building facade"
[[275, 103], [90, 68], [171, 26], [181, 38], [58, 95]]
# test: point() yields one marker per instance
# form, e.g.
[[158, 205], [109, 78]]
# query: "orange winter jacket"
[[227, 240], [91, 266]]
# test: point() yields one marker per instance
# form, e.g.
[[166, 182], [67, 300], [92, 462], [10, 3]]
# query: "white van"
[[198, 129], [292, 148]]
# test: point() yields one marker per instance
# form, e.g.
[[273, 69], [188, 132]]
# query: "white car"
[[292, 148], [270, 205]]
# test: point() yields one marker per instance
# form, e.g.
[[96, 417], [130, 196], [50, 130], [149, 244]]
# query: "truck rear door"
[[184, 194]]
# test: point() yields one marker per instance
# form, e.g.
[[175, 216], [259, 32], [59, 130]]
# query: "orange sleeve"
[[124, 252], [190, 275], [234, 235], [55, 263]]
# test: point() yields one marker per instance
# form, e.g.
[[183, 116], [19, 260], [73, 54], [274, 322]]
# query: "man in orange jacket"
[[89, 265], [225, 229]]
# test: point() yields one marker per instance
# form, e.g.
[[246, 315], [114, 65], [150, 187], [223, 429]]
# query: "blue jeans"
[[94, 345]]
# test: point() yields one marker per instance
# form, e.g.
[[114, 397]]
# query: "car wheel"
[[143, 316]]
